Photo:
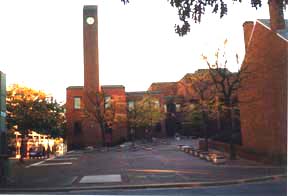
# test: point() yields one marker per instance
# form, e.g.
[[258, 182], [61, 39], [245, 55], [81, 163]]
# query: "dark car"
[[36, 153]]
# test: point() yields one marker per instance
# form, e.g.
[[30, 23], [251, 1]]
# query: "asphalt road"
[[271, 188]]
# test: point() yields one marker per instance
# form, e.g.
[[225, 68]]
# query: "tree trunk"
[[230, 113], [23, 147], [205, 128], [103, 130]]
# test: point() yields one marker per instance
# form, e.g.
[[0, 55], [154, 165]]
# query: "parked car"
[[188, 149], [36, 153], [197, 152], [219, 159], [184, 147], [191, 151], [210, 156], [203, 154], [180, 146]]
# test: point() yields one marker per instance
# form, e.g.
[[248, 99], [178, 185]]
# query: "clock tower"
[[91, 57]]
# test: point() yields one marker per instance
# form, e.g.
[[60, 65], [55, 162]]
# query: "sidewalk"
[[158, 164]]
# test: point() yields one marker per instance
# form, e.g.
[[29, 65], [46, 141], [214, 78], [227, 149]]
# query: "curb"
[[145, 186]]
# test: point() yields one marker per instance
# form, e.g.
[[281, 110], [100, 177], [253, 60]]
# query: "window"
[[156, 104], [192, 106], [178, 107], [131, 105], [165, 108], [107, 102], [77, 102]]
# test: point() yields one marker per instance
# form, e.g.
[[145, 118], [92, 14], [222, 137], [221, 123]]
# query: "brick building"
[[263, 101], [84, 130]]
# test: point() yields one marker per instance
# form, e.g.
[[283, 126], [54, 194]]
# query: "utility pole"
[[4, 162]]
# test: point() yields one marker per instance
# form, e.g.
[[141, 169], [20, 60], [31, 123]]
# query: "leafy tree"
[[145, 112], [56, 122], [28, 109], [194, 10]]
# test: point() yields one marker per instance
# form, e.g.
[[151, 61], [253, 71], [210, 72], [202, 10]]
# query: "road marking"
[[64, 159], [249, 166], [101, 178], [50, 159], [53, 164], [167, 171], [72, 155], [35, 164]]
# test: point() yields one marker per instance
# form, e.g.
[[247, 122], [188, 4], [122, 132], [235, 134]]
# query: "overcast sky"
[[41, 42]]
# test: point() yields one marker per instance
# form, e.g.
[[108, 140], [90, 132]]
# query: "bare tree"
[[101, 110], [226, 85], [202, 85]]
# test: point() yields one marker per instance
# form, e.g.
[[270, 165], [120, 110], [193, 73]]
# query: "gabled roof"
[[282, 33]]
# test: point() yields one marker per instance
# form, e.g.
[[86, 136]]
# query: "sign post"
[[4, 162]]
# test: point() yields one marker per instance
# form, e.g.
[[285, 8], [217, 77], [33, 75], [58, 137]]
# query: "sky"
[[41, 42]]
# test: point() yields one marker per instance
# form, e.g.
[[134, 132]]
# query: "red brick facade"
[[82, 129], [263, 100], [118, 98]]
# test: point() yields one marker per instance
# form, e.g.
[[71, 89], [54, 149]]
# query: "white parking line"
[[101, 178], [64, 159], [53, 164], [35, 164]]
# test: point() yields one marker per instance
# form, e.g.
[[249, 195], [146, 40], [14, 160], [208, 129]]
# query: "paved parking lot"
[[154, 163]]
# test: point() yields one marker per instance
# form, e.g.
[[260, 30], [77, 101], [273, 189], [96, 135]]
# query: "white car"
[[203, 154], [197, 153], [209, 156], [188, 149], [191, 151], [219, 159], [184, 148]]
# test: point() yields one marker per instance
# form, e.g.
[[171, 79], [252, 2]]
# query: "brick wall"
[[118, 96], [263, 100]]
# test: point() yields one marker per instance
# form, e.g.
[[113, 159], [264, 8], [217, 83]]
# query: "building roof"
[[112, 86], [73, 87], [160, 85], [282, 33], [142, 93], [163, 83]]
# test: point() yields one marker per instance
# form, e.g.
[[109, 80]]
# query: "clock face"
[[90, 20]]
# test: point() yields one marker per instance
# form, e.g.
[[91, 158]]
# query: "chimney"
[[277, 21], [247, 27]]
